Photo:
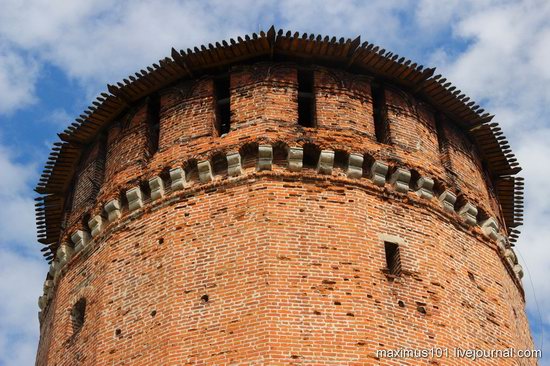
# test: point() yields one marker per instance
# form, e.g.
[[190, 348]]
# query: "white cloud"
[[22, 268], [17, 222], [59, 117], [22, 279], [17, 80], [504, 62], [98, 41]]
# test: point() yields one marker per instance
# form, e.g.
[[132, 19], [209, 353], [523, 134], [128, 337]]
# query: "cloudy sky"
[[56, 55]]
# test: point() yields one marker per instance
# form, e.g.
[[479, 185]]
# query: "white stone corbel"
[[511, 257], [47, 288], [80, 239], [448, 200], [265, 157], [295, 159], [490, 228], [355, 166], [234, 166], [96, 225], [58, 268], [48, 284], [64, 254], [205, 171], [53, 268], [425, 187], [177, 179], [378, 172], [135, 198], [326, 162], [502, 243], [156, 184], [112, 208], [518, 270], [468, 212], [400, 180], [42, 302]]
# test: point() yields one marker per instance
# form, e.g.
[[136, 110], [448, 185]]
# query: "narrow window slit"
[[153, 121], [306, 100], [381, 127], [443, 144], [78, 315], [222, 98], [393, 259], [101, 160], [441, 138]]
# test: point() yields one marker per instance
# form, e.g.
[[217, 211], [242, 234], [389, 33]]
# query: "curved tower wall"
[[268, 244]]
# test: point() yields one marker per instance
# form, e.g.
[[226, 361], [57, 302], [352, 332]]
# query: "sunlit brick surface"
[[278, 266]]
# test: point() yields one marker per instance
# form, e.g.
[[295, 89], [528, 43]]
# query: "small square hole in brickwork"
[[78, 315], [219, 164], [280, 153], [249, 155], [393, 259], [341, 159], [191, 171], [311, 156]]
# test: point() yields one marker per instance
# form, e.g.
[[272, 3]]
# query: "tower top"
[[350, 55]]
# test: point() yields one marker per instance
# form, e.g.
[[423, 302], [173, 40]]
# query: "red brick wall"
[[127, 150], [343, 102], [412, 130], [265, 94], [187, 113], [292, 263], [466, 168], [293, 271], [264, 106], [88, 182]]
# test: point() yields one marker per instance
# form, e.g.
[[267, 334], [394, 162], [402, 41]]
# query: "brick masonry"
[[270, 264]]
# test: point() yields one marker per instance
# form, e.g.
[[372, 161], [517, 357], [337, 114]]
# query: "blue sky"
[[56, 55]]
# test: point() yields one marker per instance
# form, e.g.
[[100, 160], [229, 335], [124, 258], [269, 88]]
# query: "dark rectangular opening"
[[101, 160], [393, 260], [306, 100], [381, 128], [441, 138], [443, 144], [222, 97], [153, 121]]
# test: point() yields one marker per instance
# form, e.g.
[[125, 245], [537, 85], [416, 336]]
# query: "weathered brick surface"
[[278, 266], [264, 93], [343, 102], [127, 147], [467, 170], [412, 130], [88, 182]]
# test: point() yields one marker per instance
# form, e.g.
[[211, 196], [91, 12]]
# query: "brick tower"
[[280, 199]]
